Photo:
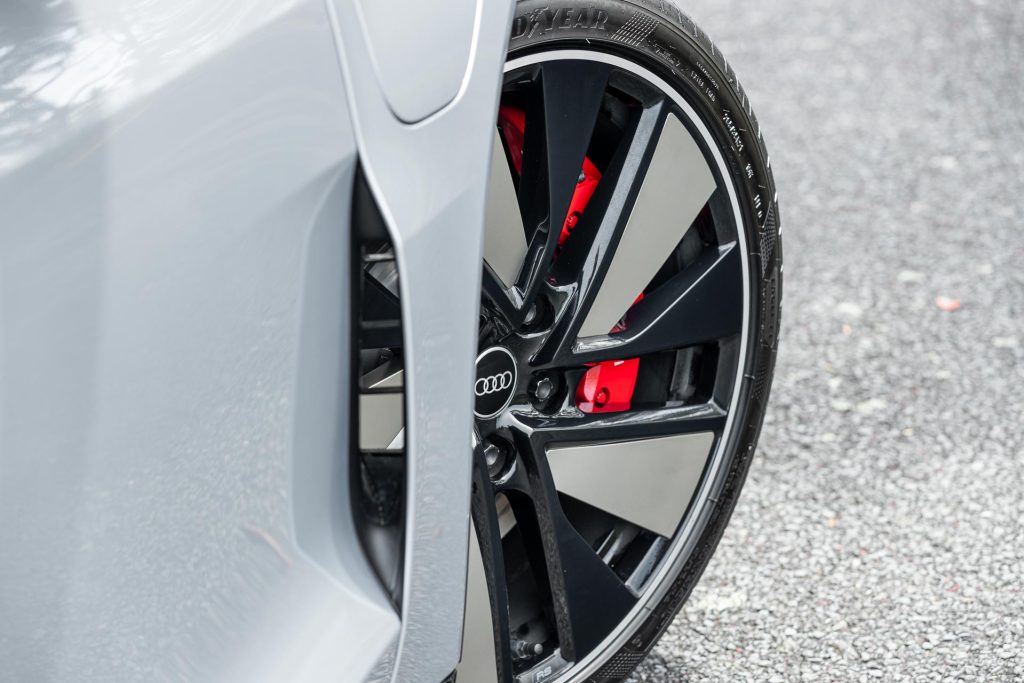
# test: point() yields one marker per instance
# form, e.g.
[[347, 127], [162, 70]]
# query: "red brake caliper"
[[606, 387]]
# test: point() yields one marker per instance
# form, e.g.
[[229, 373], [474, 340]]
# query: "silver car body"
[[175, 189]]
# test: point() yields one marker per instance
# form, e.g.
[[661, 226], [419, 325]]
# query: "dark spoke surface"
[[581, 428], [485, 522], [703, 303], [499, 295], [588, 256], [588, 599], [381, 316], [570, 97]]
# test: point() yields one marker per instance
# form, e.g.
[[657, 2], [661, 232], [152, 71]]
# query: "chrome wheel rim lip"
[[683, 542]]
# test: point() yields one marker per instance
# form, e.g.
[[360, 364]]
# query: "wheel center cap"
[[496, 376]]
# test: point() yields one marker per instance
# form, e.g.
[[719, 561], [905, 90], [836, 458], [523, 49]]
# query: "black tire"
[[661, 38]]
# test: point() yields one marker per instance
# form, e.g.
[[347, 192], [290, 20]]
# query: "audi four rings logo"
[[495, 381], [493, 384]]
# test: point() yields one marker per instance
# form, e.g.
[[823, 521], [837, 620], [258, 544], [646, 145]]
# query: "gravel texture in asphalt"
[[880, 535]]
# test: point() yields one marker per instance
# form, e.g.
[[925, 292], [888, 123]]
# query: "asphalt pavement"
[[880, 535]]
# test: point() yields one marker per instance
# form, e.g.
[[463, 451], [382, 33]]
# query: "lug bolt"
[[538, 315], [545, 387], [531, 314], [524, 650], [500, 456], [492, 454]]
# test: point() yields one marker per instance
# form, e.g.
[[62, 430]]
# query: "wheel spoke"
[[505, 299], [571, 94], [486, 639], [641, 466], [647, 482], [631, 426], [382, 312], [588, 598], [675, 188], [381, 411], [478, 642], [656, 187], [702, 303]]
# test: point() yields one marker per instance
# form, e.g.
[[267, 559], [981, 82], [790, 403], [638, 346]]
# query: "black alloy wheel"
[[629, 323]]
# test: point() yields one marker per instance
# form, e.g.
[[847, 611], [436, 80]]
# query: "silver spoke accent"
[[381, 415], [380, 420], [479, 664], [649, 483], [506, 519], [504, 237], [676, 187], [387, 376], [398, 443]]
